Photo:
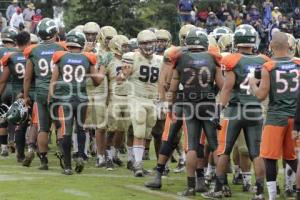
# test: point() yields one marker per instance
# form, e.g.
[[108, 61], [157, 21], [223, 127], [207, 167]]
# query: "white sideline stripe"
[[85, 175], [15, 178], [76, 192], [154, 192]]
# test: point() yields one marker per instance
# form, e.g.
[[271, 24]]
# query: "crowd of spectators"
[[21, 18], [264, 19]]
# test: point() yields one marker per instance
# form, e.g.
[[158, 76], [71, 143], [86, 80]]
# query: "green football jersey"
[[16, 63], [74, 69], [244, 67], [284, 84], [3, 51], [197, 72], [41, 57]]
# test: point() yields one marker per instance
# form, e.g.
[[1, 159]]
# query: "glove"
[[216, 119]]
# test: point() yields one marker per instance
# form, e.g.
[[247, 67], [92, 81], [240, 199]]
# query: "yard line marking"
[[85, 175], [76, 192], [15, 178], [154, 192]]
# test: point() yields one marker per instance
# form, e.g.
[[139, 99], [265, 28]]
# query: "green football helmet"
[[196, 38], [17, 113], [219, 31], [245, 36], [133, 44], [75, 39], [9, 34], [3, 111], [183, 31], [46, 29]]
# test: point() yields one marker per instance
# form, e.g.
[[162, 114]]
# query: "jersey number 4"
[[148, 74]]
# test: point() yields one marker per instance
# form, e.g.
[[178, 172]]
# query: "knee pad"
[[166, 149], [140, 116]]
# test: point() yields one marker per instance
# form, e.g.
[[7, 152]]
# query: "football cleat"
[[43, 166], [4, 152], [289, 194], [79, 165], [200, 185], [166, 171], [258, 197], [20, 158], [188, 192], [226, 191], [100, 161], [118, 161], [237, 180], [109, 165], [130, 165], [180, 167], [212, 195], [60, 157], [28, 159], [246, 188], [67, 172], [138, 169], [155, 183]]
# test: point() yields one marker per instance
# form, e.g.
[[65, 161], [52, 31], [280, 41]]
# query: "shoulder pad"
[[229, 62], [58, 55], [28, 50]]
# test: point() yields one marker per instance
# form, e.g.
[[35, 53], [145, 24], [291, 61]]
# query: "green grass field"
[[19, 183]]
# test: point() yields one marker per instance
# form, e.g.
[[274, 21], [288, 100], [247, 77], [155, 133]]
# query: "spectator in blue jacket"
[[212, 22], [11, 9], [184, 9]]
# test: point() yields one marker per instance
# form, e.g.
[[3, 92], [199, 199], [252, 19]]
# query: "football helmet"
[[34, 39], [79, 28], [75, 39], [17, 113], [3, 111], [119, 44], [183, 31], [164, 38], [219, 31], [225, 42], [133, 44], [292, 44], [106, 34], [245, 36], [91, 31], [46, 29], [147, 42], [127, 58], [196, 39], [9, 34]]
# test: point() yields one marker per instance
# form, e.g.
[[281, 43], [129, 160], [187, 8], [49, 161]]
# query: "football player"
[[8, 38], [105, 57], [118, 117], [13, 71], [235, 95], [68, 87], [39, 68], [171, 135], [198, 71], [279, 80], [142, 74]]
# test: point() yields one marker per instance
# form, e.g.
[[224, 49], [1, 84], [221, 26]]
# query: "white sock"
[[289, 178], [237, 171], [130, 156], [75, 142], [109, 154], [272, 190], [183, 156], [138, 152], [4, 147], [87, 143], [209, 169], [113, 150], [246, 178]]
